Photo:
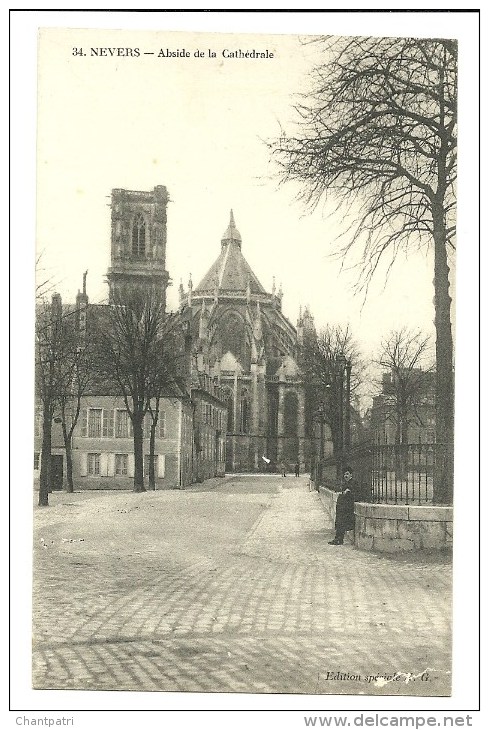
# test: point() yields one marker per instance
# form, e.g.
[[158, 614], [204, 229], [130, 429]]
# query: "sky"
[[197, 125]]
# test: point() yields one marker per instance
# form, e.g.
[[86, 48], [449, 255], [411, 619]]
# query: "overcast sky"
[[196, 125]]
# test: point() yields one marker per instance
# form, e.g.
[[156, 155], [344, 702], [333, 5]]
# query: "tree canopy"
[[377, 134]]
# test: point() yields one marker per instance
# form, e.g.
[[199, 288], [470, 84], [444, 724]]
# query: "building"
[[404, 410], [189, 441], [209, 427], [243, 342]]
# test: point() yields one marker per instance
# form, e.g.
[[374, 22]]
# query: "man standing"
[[345, 509]]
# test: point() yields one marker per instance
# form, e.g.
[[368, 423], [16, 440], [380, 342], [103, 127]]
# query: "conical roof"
[[231, 233], [230, 271]]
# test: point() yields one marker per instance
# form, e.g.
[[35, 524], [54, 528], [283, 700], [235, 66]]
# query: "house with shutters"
[[103, 444]]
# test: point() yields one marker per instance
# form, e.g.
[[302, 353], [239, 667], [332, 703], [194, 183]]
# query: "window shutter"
[[130, 465], [103, 464], [162, 424], [104, 422], [84, 425], [110, 465], [83, 464], [161, 466]]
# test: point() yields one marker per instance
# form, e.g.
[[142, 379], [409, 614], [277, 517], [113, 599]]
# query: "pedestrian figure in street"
[[297, 469], [283, 470], [345, 509]]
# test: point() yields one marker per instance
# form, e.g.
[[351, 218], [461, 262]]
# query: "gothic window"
[[233, 336], [245, 411], [229, 400], [138, 236], [290, 414], [273, 412]]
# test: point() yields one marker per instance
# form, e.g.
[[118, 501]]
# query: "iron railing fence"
[[387, 473], [404, 473]]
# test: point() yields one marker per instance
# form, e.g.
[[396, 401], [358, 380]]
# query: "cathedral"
[[242, 339]]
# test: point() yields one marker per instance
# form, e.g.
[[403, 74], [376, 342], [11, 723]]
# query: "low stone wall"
[[396, 528]]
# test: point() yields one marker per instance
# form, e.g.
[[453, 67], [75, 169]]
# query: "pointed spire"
[[190, 286], [231, 233]]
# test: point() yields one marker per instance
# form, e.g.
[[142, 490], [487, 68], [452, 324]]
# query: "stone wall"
[[394, 527]]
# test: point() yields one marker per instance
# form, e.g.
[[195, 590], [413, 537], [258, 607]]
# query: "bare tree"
[[49, 346], [378, 134], [327, 360], [76, 375], [44, 281], [130, 335], [404, 354]]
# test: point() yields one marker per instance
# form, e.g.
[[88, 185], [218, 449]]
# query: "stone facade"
[[138, 238], [243, 341], [209, 428]]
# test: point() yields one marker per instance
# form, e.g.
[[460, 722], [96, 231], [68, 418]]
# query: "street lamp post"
[[341, 364], [319, 461], [347, 410]]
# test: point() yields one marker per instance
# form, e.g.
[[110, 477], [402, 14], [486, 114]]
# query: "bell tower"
[[138, 238]]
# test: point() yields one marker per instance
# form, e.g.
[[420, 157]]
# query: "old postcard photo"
[[245, 363]]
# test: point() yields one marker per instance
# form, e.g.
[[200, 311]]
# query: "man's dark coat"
[[345, 517]]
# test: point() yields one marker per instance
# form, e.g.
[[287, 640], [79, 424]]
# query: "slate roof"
[[230, 271]]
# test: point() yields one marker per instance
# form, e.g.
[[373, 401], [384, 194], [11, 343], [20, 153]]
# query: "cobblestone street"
[[229, 587]]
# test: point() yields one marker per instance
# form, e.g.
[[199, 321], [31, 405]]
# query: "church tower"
[[138, 238]]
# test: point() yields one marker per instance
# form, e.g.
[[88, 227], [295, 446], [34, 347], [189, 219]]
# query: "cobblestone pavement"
[[231, 587]]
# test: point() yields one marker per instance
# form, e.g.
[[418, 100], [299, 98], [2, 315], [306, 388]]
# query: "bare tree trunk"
[[137, 424], [69, 459], [443, 471], [152, 436], [45, 475]]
